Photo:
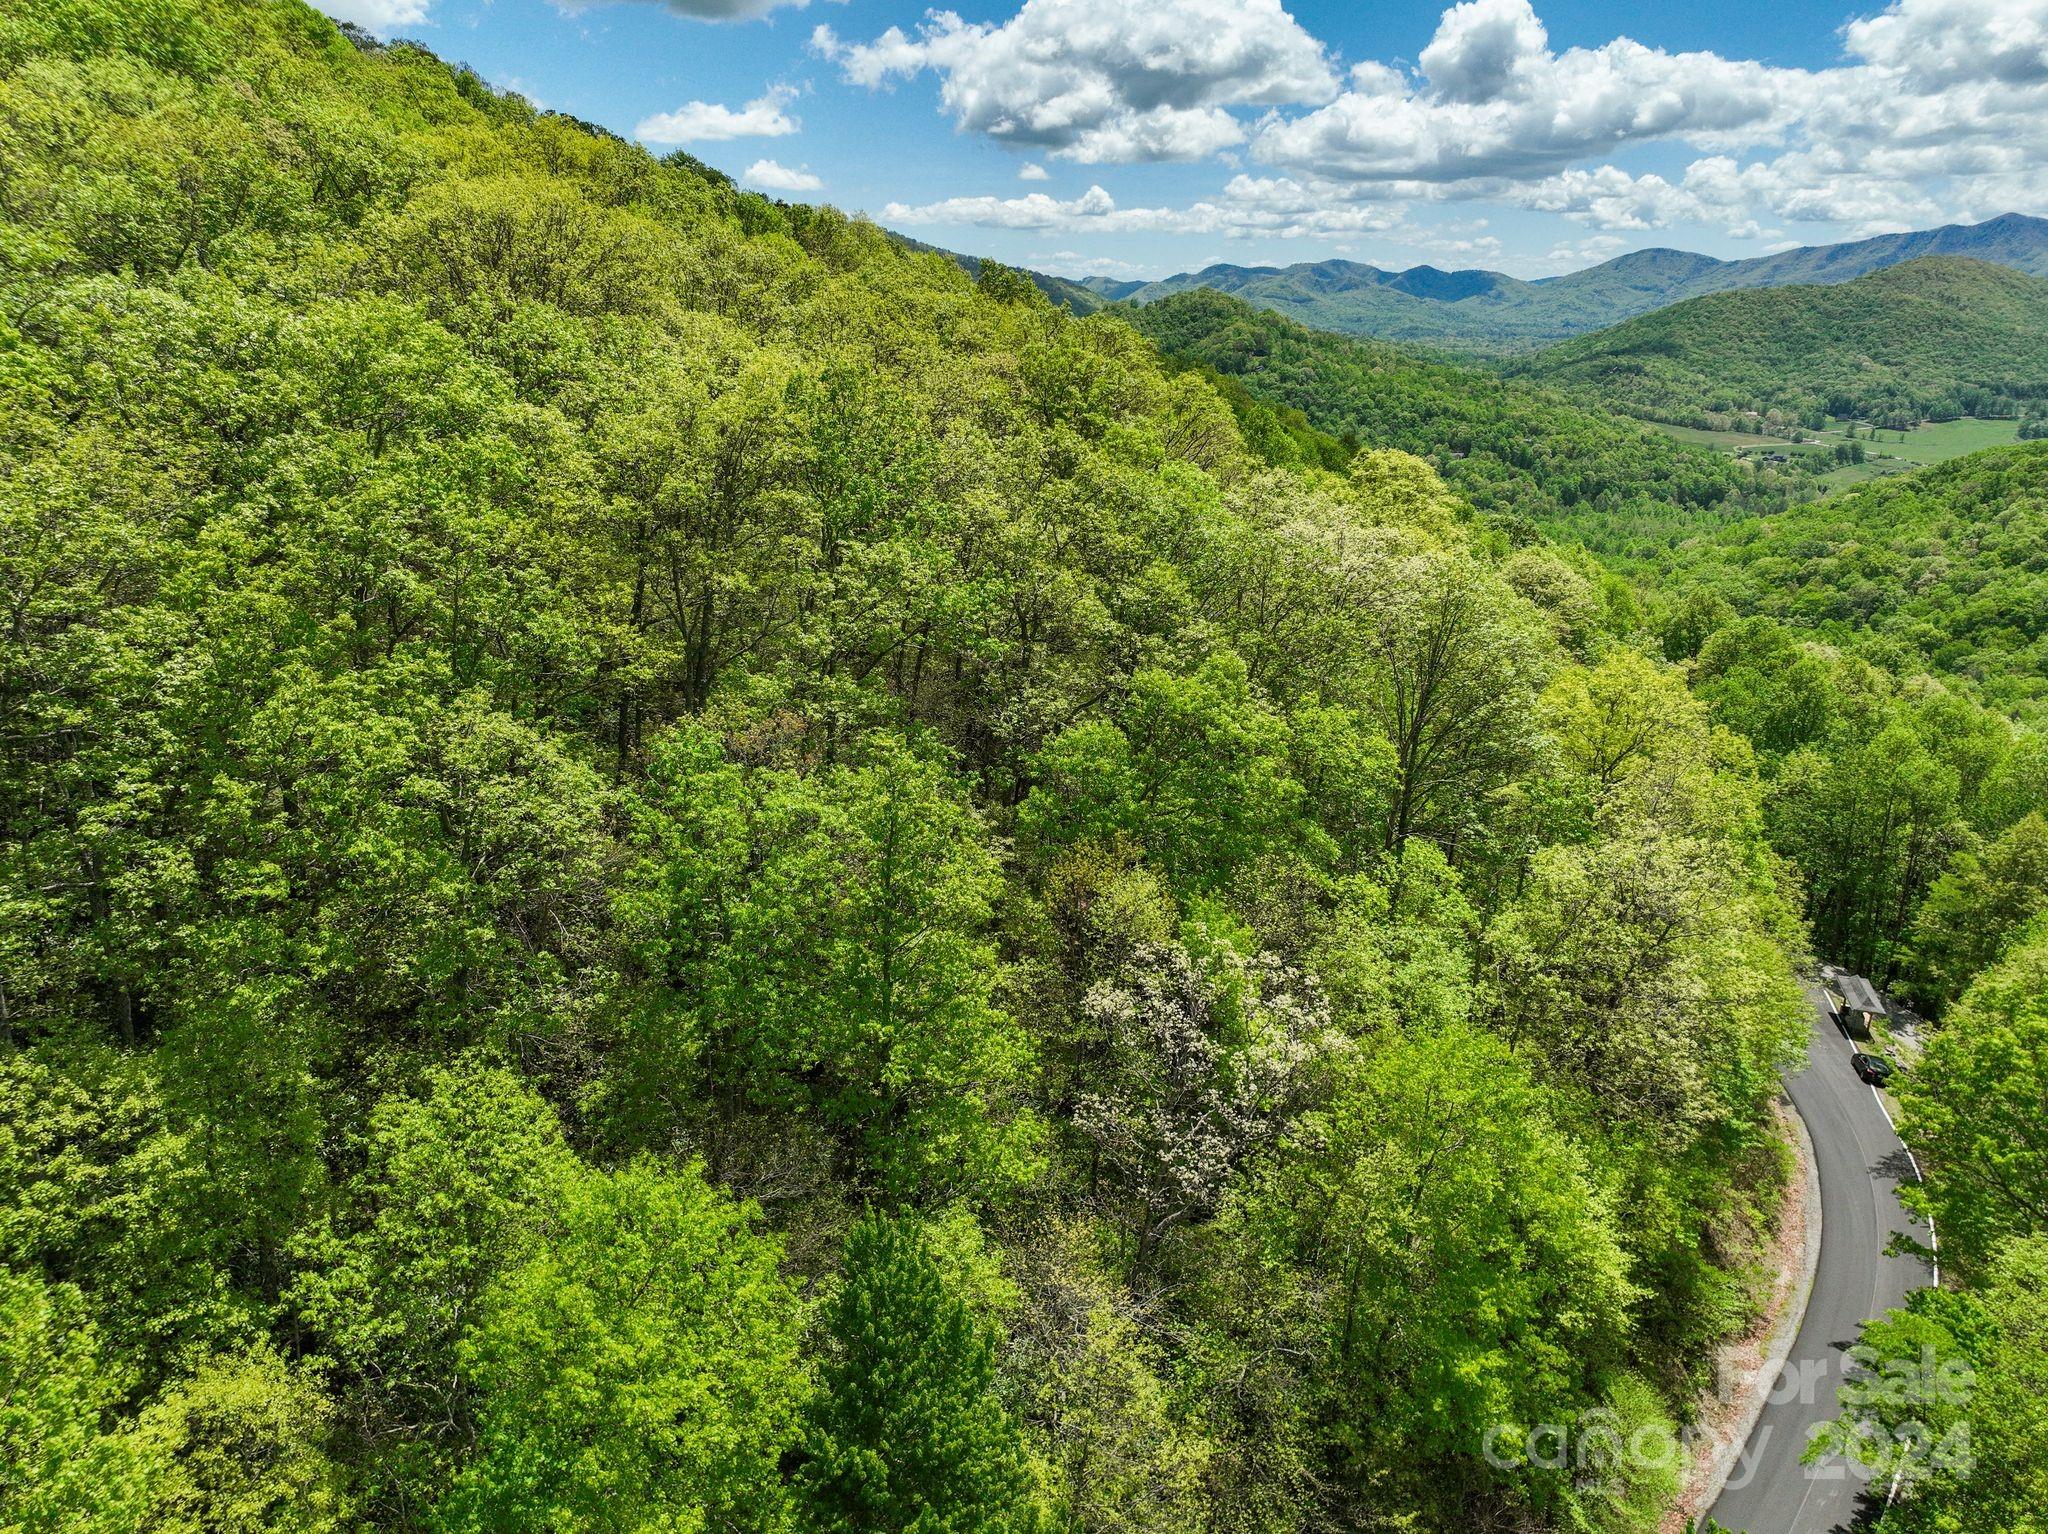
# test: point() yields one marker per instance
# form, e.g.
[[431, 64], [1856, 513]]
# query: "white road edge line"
[[1933, 1238]]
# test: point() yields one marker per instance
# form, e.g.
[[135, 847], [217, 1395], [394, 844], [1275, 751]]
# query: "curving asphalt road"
[[1861, 1164]]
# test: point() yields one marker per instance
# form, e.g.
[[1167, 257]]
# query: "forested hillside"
[[1931, 338], [1944, 571], [1879, 650], [1533, 457], [1880, 654], [1883, 651], [663, 867]]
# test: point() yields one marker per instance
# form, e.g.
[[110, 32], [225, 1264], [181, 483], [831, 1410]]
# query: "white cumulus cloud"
[[1104, 80], [705, 10], [766, 116], [1608, 198], [1486, 49], [771, 177], [383, 15], [1074, 263], [1248, 207], [378, 15], [1937, 41], [1493, 100], [1937, 109]]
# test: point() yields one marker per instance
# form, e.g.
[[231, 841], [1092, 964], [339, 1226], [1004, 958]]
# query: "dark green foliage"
[[906, 1431]]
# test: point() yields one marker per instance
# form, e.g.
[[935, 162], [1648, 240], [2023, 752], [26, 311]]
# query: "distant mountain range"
[[1482, 310], [1940, 335]]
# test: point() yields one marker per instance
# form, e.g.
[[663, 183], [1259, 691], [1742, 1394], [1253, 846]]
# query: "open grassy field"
[[1745, 444], [1889, 452], [1731, 440], [1943, 440], [1847, 474]]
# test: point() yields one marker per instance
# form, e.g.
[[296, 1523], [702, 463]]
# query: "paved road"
[[1861, 1165]]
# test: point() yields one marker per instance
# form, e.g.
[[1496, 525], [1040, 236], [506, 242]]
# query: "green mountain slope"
[[626, 809], [1072, 296], [1516, 450], [1937, 336], [1488, 311], [664, 866], [1944, 570]]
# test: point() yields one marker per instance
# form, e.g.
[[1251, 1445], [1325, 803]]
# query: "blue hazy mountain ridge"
[[1490, 311]]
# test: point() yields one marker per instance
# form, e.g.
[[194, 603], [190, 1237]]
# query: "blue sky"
[[1143, 137]]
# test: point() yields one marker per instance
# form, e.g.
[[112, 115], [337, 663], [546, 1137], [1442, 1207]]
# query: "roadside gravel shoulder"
[[1748, 1365]]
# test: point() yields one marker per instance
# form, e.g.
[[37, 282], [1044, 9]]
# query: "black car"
[[1874, 1069]]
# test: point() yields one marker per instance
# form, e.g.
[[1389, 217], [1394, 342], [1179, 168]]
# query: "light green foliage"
[[65, 1464], [1642, 973], [96, 1189], [2017, 784], [458, 1184], [1936, 571], [1973, 1109], [1452, 659], [637, 1371], [825, 934], [1458, 1244], [1195, 770], [905, 1432], [1399, 489], [1119, 1448], [570, 728], [1614, 720], [243, 1447], [1636, 1460], [1948, 1399], [1978, 906], [2010, 1479], [1399, 954], [1581, 604], [1122, 1460]]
